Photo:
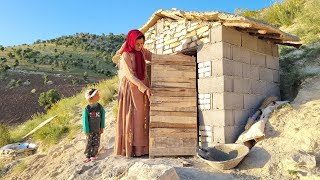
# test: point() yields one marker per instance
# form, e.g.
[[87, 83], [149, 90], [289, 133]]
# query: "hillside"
[[70, 63]]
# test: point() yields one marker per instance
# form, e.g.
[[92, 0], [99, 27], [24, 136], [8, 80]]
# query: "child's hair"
[[90, 93]]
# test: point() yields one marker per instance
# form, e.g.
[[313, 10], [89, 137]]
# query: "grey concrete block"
[[272, 62], [250, 71], [209, 52], [275, 50], [264, 47], [249, 42], [257, 59], [211, 85], [216, 34], [232, 101], [217, 68], [231, 36], [231, 67], [276, 76], [273, 89], [240, 54], [227, 134], [232, 133], [258, 87], [266, 74], [216, 118], [217, 101], [251, 101], [241, 116], [242, 85], [205, 118]]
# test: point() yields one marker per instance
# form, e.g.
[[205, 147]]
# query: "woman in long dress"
[[132, 129]]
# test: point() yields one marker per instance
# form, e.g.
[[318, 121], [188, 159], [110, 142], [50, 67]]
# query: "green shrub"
[[47, 99], [4, 135]]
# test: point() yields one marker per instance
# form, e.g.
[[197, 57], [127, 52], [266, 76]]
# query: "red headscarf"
[[129, 47]]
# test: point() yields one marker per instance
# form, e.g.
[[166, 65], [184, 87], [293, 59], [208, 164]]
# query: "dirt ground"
[[18, 104]]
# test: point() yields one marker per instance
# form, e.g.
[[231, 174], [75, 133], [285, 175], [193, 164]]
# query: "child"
[[93, 123]]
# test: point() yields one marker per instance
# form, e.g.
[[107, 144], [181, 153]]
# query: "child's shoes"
[[87, 160], [93, 158]]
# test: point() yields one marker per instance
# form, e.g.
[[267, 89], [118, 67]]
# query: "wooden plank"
[[184, 109], [161, 67], [173, 113], [174, 104], [171, 125], [39, 126], [173, 132], [155, 99], [179, 75], [174, 119], [173, 63], [172, 79], [188, 151], [173, 84], [174, 92]]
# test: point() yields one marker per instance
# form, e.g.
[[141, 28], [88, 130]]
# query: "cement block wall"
[[236, 71], [244, 71]]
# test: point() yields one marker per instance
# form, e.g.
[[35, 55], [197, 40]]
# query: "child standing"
[[93, 120]]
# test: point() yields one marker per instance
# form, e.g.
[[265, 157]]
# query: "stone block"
[[232, 101], [231, 36], [272, 62], [216, 34], [242, 85], [217, 68], [250, 71], [249, 42], [273, 89], [276, 76], [210, 51], [251, 101], [257, 59], [266, 74], [258, 87], [241, 117], [215, 85], [227, 134], [275, 50], [240, 54], [218, 101], [231, 68], [216, 118]]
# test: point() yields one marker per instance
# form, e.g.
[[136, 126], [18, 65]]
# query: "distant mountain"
[[78, 54]]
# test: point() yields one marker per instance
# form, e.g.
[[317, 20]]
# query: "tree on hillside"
[[16, 63], [1, 48], [47, 99]]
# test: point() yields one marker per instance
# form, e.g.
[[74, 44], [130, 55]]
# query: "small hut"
[[230, 64]]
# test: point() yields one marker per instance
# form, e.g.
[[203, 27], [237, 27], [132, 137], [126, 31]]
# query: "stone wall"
[[236, 71], [168, 36], [244, 71]]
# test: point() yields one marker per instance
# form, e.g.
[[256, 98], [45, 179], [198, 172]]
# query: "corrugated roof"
[[252, 26]]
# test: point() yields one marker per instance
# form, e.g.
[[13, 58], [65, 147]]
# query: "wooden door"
[[173, 107]]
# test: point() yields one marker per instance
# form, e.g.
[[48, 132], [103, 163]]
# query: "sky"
[[26, 21]]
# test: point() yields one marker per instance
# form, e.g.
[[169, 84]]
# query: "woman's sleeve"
[[127, 66], [85, 122], [147, 54]]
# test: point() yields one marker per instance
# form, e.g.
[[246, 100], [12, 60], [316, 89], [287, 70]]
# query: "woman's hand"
[[148, 92]]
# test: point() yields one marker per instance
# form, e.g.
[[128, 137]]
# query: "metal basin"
[[223, 156]]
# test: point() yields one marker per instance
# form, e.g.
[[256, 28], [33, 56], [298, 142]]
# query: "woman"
[[132, 133]]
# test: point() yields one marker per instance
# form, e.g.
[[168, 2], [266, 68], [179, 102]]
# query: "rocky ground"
[[291, 150]]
